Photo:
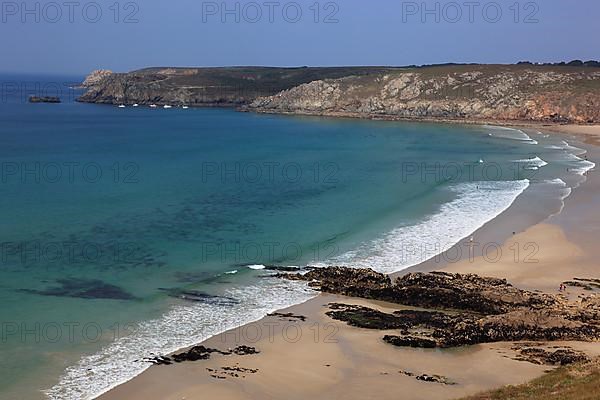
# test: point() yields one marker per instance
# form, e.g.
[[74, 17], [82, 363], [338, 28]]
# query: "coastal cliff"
[[522, 92], [519, 93], [205, 87], [95, 78]]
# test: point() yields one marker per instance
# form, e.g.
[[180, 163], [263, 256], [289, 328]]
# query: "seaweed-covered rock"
[[364, 317], [465, 292], [350, 282], [460, 309], [540, 356], [438, 290], [197, 353], [410, 341]]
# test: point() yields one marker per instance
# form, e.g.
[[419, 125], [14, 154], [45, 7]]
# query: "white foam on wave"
[[257, 266], [500, 128], [184, 325], [534, 162], [575, 150], [577, 164], [564, 145], [476, 204], [583, 167], [557, 187], [511, 133], [556, 181]]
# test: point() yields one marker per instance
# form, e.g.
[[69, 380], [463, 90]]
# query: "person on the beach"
[[562, 288]]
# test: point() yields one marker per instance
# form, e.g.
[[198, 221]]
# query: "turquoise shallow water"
[[108, 213]]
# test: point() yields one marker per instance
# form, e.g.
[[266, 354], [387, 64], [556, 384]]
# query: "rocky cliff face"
[[95, 78], [234, 86], [454, 92], [523, 93]]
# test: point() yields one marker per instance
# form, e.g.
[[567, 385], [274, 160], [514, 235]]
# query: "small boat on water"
[[167, 106], [136, 105], [122, 106], [185, 107], [152, 105]]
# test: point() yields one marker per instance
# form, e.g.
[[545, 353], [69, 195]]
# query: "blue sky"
[[52, 37]]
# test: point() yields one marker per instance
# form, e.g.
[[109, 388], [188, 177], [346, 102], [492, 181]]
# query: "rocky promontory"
[[205, 87], [568, 93], [95, 78]]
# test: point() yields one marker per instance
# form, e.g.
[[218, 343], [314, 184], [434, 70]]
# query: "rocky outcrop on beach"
[[584, 283], [478, 92], [536, 354], [454, 309], [433, 378], [197, 353], [346, 281], [432, 290]]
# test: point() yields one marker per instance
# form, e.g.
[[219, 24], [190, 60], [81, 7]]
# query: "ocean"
[[135, 231]]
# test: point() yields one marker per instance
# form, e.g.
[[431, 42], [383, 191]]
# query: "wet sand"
[[324, 359]]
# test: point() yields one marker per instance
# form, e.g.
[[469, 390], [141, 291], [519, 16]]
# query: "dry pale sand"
[[323, 359], [331, 360], [534, 259]]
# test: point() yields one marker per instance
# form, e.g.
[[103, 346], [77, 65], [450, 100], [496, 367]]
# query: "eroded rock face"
[[458, 92], [96, 78], [208, 87], [460, 309], [485, 92]]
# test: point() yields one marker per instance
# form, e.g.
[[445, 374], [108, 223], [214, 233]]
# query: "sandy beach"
[[309, 355]]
